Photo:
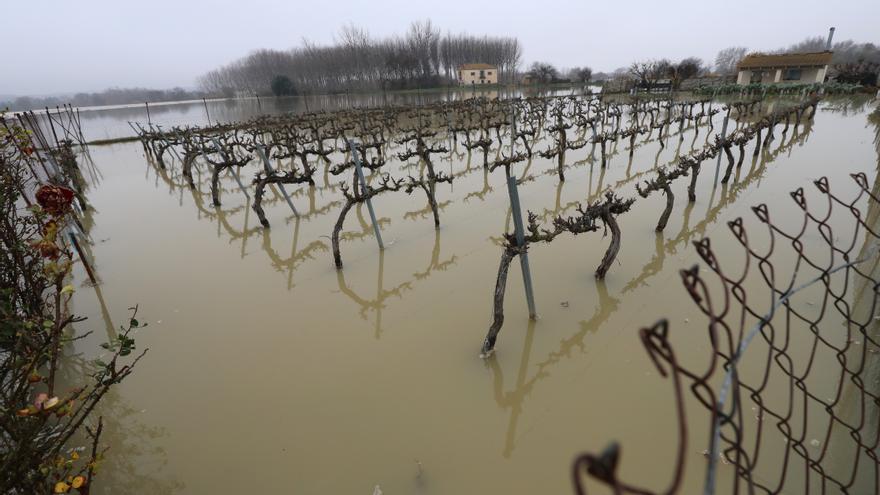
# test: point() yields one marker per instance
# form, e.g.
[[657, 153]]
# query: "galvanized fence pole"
[[520, 241], [207, 114], [512, 131], [82, 256], [363, 182]]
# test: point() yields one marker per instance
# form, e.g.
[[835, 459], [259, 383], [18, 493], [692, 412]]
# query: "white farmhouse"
[[476, 74], [784, 68]]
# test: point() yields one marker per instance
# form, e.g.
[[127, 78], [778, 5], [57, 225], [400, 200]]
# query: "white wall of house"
[[477, 76], [783, 75]]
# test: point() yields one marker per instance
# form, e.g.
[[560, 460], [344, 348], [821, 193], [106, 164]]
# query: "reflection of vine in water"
[[846, 105], [366, 230], [296, 257], [729, 196], [798, 137], [590, 160], [593, 194], [222, 217], [608, 305], [515, 398], [425, 212], [481, 194], [382, 294], [652, 268], [177, 182]]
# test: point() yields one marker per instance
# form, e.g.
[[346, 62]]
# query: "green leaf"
[[134, 323]]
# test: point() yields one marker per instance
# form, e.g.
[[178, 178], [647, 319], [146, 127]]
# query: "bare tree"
[[685, 69], [845, 52], [811, 44], [728, 58], [689, 67], [422, 57], [543, 72], [646, 73], [581, 74]]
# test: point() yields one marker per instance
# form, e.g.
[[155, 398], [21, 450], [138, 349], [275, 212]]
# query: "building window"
[[473, 73], [756, 76], [792, 75], [489, 73]]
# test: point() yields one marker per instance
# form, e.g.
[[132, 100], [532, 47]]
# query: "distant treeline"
[[845, 52], [112, 96], [356, 61]]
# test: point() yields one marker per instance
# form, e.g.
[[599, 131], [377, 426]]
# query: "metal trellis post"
[[520, 241], [363, 182]]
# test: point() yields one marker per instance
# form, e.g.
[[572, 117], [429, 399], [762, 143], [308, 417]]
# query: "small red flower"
[[55, 200], [47, 249]]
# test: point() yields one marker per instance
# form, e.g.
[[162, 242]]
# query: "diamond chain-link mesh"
[[790, 387]]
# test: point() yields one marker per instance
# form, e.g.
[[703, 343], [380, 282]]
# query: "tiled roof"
[[476, 67], [759, 60]]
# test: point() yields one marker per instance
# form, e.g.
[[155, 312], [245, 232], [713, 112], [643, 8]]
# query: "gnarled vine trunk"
[[692, 187], [215, 184], [670, 202], [334, 239], [498, 303], [729, 165], [613, 248]]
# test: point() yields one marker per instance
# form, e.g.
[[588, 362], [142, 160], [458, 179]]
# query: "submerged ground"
[[271, 371]]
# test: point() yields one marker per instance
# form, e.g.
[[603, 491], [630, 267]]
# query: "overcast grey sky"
[[88, 45]]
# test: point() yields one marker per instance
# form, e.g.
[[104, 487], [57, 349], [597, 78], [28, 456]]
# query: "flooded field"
[[113, 122], [270, 371]]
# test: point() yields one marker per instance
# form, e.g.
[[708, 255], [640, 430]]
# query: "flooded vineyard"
[[292, 350]]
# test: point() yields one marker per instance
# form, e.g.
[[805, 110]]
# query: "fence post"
[[512, 130], [363, 182], [262, 153], [723, 135], [520, 241], [82, 257]]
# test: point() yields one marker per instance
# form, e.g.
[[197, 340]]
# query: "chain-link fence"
[[791, 379]]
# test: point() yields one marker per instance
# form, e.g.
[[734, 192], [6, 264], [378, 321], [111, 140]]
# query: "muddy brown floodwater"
[[269, 371]]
